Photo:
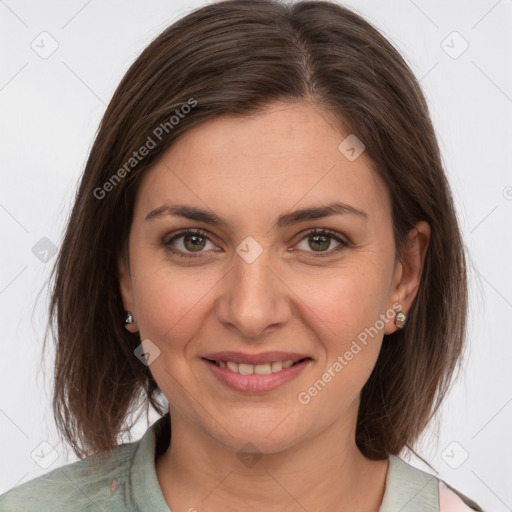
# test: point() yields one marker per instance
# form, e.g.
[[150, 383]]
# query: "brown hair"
[[237, 57]]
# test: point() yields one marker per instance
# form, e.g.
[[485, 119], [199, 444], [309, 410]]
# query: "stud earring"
[[400, 319], [128, 318]]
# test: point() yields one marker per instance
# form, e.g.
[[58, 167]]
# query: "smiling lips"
[[255, 372], [259, 369]]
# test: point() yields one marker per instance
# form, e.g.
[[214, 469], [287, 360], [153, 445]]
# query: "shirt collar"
[[144, 485], [407, 488]]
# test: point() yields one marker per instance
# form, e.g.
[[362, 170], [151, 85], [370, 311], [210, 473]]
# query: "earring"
[[128, 318], [400, 319]]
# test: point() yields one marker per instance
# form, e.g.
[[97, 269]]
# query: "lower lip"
[[255, 382]]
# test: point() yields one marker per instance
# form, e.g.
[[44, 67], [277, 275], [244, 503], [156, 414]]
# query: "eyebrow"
[[287, 219]]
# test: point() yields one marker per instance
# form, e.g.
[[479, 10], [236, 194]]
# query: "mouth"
[[258, 369], [256, 378]]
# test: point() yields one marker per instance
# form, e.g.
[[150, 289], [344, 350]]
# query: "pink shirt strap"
[[451, 500]]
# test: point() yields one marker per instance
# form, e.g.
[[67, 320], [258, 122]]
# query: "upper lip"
[[261, 358]]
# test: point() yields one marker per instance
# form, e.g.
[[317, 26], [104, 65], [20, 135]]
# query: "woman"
[[264, 238]]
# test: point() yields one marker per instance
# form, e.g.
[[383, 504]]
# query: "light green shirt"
[[127, 481]]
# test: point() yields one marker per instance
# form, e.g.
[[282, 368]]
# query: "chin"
[[259, 433]]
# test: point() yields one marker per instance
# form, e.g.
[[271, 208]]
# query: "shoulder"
[[88, 484], [412, 490]]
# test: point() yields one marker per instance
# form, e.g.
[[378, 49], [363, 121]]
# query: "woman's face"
[[259, 281]]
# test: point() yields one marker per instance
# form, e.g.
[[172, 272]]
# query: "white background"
[[51, 108]]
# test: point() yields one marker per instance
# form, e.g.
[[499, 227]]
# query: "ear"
[[408, 270], [126, 289]]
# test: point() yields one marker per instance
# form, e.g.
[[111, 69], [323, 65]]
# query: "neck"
[[326, 472]]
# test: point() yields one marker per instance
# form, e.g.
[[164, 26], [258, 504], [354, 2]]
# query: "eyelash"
[[314, 231]]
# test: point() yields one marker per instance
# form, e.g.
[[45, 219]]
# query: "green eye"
[[318, 242], [194, 241]]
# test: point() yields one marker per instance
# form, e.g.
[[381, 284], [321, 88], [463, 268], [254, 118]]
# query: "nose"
[[254, 300]]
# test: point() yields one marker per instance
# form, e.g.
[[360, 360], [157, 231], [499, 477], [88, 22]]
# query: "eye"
[[190, 241], [320, 241]]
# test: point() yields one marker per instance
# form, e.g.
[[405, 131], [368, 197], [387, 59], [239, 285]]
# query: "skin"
[[250, 170]]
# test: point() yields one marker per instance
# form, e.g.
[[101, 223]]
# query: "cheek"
[[170, 302], [344, 311], [349, 350], [344, 302]]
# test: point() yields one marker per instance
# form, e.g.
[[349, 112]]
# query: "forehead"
[[286, 156]]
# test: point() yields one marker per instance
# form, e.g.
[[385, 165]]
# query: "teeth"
[[232, 366], [278, 366], [259, 369], [262, 369], [246, 369]]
